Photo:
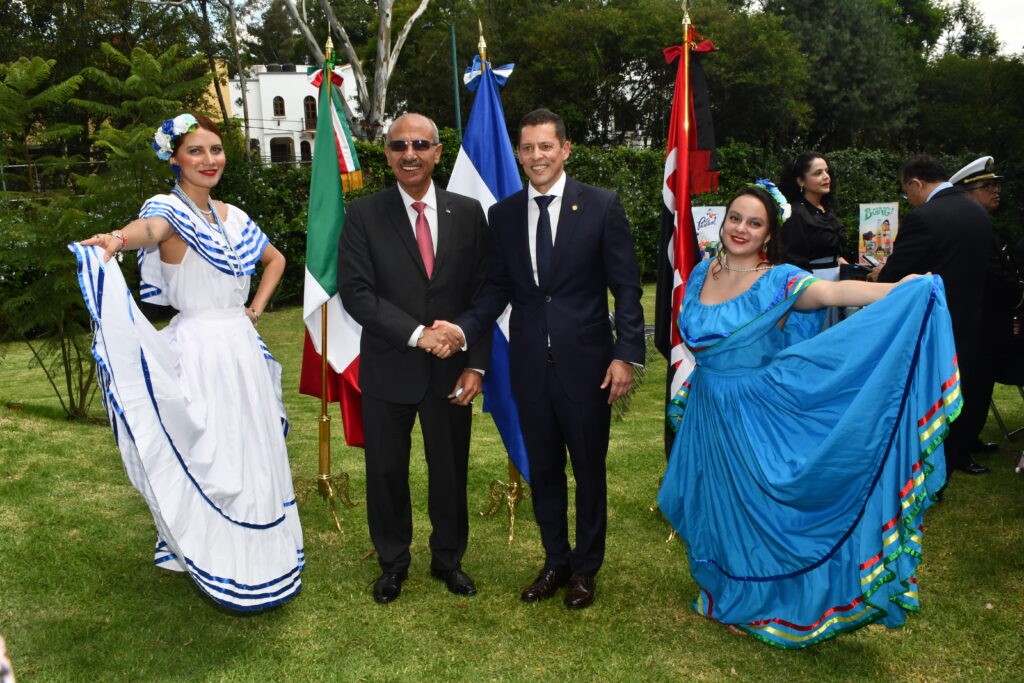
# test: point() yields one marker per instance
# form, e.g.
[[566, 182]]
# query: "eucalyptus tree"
[[368, 121]]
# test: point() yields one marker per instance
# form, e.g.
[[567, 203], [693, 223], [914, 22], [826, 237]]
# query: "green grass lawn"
[[80, 598]]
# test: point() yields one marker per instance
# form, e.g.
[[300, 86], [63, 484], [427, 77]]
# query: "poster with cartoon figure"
[[879, 224], [707, 221]]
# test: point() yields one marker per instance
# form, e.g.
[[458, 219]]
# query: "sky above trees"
[[1005, 16]]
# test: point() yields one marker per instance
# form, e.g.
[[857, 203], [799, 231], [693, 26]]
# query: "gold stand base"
[[325, 485], [671, 531], [510, 495]]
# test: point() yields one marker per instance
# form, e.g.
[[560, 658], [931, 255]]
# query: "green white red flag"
[[323, 230]]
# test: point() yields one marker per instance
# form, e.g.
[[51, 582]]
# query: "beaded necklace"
[[217, 224], [758, 267]]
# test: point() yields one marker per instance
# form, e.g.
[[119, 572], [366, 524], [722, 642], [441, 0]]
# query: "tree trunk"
[[371, 104], [233, 25], [318, 54], [208, 48]]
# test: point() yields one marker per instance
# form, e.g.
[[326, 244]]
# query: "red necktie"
[[423, 239]]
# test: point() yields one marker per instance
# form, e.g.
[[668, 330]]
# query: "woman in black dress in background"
[[813, 238]]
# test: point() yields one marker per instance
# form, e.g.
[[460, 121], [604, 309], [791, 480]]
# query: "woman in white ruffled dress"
[[196, 408]]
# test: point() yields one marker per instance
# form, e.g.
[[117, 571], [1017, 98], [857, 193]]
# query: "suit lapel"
[[398, 217], [568, 222], [445, 226], [522, 219]]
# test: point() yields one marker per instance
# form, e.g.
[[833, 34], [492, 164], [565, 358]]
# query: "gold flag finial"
[[329, 48], [482, 45]]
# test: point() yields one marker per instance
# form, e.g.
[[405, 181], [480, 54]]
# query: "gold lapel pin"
[[575, 207], [447, 210]]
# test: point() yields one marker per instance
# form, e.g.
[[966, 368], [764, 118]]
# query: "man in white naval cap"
[[1004, 296], [979, 180]]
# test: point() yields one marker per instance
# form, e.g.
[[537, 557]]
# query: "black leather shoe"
[[545, 585], [458, 581], [388, 587], [581, 592], [985, 447], [971, 467]]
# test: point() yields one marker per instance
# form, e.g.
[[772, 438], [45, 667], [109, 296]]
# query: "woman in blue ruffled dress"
[[196, 408], [803, 461]]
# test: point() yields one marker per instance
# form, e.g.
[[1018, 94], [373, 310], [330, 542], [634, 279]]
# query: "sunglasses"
[[402, 145]]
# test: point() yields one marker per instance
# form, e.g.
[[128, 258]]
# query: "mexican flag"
[[332, 148]]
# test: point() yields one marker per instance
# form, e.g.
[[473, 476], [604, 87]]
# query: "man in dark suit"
[[950, 235], [409, 255], [557, 248], [1004, 295]]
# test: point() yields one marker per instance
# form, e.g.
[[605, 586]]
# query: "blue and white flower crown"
[[169, 131], [768, 186]]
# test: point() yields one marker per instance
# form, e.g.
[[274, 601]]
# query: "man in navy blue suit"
[[557, 248]]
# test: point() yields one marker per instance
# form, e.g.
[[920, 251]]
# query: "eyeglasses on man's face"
[[990, 186], [402, 145]]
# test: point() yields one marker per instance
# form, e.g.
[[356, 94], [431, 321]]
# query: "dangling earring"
[[764, 250]]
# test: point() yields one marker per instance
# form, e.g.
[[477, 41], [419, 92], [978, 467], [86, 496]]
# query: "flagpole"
[[683, 168], [512, 493], [681, 171], [687, 45], [326, 482]]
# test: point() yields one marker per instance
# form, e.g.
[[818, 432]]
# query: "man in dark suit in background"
[[950, 235], [409, 255], [557, 248], [1004, 295]]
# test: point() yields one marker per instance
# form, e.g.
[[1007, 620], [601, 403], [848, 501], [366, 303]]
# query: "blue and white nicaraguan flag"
[[486, 170]]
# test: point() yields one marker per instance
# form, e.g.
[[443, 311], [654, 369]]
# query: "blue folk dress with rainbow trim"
[[197, 413], [803, 462]]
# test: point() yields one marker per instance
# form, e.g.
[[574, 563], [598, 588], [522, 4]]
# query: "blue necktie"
[[544, 241]]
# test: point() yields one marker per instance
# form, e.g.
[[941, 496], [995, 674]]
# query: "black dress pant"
[[963, 432], [387, 428], [551, 424]]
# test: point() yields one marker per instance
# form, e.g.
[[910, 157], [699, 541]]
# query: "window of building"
[[309, 109], [278, 106]]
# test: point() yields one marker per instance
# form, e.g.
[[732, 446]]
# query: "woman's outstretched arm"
[[822, 294], [140, 233]]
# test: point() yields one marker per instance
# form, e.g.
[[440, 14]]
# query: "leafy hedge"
[[276, 196]]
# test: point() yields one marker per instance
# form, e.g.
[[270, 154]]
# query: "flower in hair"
[[780, 199], [169, 131]]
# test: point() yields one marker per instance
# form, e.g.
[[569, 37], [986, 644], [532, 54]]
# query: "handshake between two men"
[[442, 339]]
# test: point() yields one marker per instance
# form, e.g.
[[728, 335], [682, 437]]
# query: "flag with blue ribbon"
[[486, 170]]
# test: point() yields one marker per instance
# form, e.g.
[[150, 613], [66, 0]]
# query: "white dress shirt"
[[430, 199], [533, 215]]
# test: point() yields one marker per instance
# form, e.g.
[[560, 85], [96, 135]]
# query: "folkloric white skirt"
[[197, 413]]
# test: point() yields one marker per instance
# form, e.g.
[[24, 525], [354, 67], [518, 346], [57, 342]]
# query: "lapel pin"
[[447, 210], [575, 207]]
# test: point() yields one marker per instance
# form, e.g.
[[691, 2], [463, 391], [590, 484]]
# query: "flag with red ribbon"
[[348, 160], [691, 167]]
